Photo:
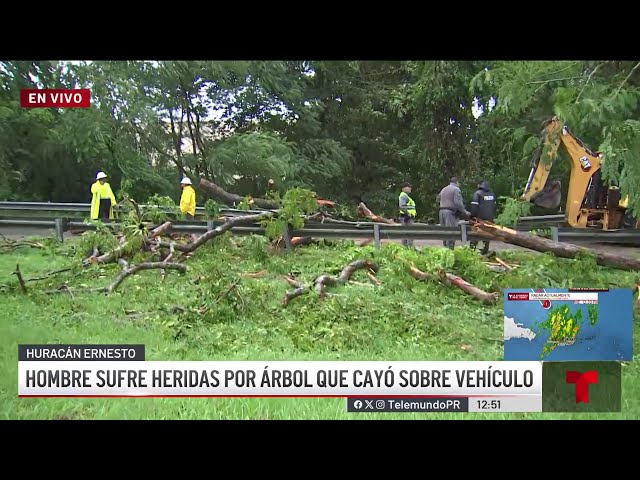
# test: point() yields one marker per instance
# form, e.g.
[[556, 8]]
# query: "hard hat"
[[186, 181], [101, 175]]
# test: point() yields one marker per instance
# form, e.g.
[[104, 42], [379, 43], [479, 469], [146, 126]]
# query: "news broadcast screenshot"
[[319, 240]]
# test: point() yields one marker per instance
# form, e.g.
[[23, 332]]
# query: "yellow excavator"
[[590, 203]]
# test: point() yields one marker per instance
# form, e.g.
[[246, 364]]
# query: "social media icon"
[[357, 404], [380, 404], [369, 404]]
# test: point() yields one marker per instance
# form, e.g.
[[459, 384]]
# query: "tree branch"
[[627, 78], [48, 275], [231, 199], [325, 279], [453, 280], [127, 271], [593, 72], [230, 222], [17, 273], [300, 289], [545, 82], [117, 252]]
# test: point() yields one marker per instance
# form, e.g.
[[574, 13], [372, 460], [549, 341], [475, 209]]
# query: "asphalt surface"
[[17, 233]]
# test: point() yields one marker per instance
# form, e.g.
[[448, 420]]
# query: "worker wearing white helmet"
[[103, 200], [188, 198]]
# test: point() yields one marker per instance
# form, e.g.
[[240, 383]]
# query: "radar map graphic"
[[568, 325]]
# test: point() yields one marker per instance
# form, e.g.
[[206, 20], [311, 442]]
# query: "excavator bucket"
[[549, 197]]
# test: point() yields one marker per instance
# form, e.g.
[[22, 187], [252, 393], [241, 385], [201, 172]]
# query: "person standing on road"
[[407, 210], [103, 200], [188, 199], [483, 207], [451, 208]]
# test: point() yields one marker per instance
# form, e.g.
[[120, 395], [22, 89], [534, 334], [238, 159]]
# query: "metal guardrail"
[[376, 231], [84, 208], [9, 208], [9, 217]]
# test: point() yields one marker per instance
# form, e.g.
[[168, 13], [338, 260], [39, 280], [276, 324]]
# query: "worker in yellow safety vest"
[[188, 198], [407, 209], [103, 200]]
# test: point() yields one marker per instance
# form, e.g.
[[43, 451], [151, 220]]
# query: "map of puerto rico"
[[568, 324]]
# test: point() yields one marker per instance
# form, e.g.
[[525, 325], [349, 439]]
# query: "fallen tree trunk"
[[231, 198], [559, 249], [230, 222], [325, 279], [453, 280]]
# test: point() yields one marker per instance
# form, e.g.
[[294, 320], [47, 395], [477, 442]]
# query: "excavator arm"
[[588, 200], [536, 190]]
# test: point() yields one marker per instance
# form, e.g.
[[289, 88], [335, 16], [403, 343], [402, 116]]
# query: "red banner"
[[55, 98]]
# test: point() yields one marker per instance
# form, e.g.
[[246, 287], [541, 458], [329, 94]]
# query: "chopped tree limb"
[[18, 274], [374, 279], [230, 222], [233, 285], [365, 212], [48, 275], [365, 242], [559, 249], [127, 271], [93, 257], [232, 199], [323, 280], [504, 264], [117, 252], [10, 245], [299, 241], [453, 280], [259, 274], [300, 289]]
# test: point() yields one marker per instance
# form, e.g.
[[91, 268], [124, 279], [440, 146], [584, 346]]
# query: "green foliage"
[[296, 203], [513, 210], [212, 209], [101, 238]]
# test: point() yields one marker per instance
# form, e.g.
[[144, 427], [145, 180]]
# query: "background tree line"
[[348, 130]]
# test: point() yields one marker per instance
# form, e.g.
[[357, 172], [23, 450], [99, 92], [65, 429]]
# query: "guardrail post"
[[209, 224], [287, 237], [60, 229], [463, 231], [376, 235], [554, 234]]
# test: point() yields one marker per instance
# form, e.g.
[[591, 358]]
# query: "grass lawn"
[[213, 313]]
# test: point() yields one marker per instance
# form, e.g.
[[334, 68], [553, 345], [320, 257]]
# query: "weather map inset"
[[568, 325]]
